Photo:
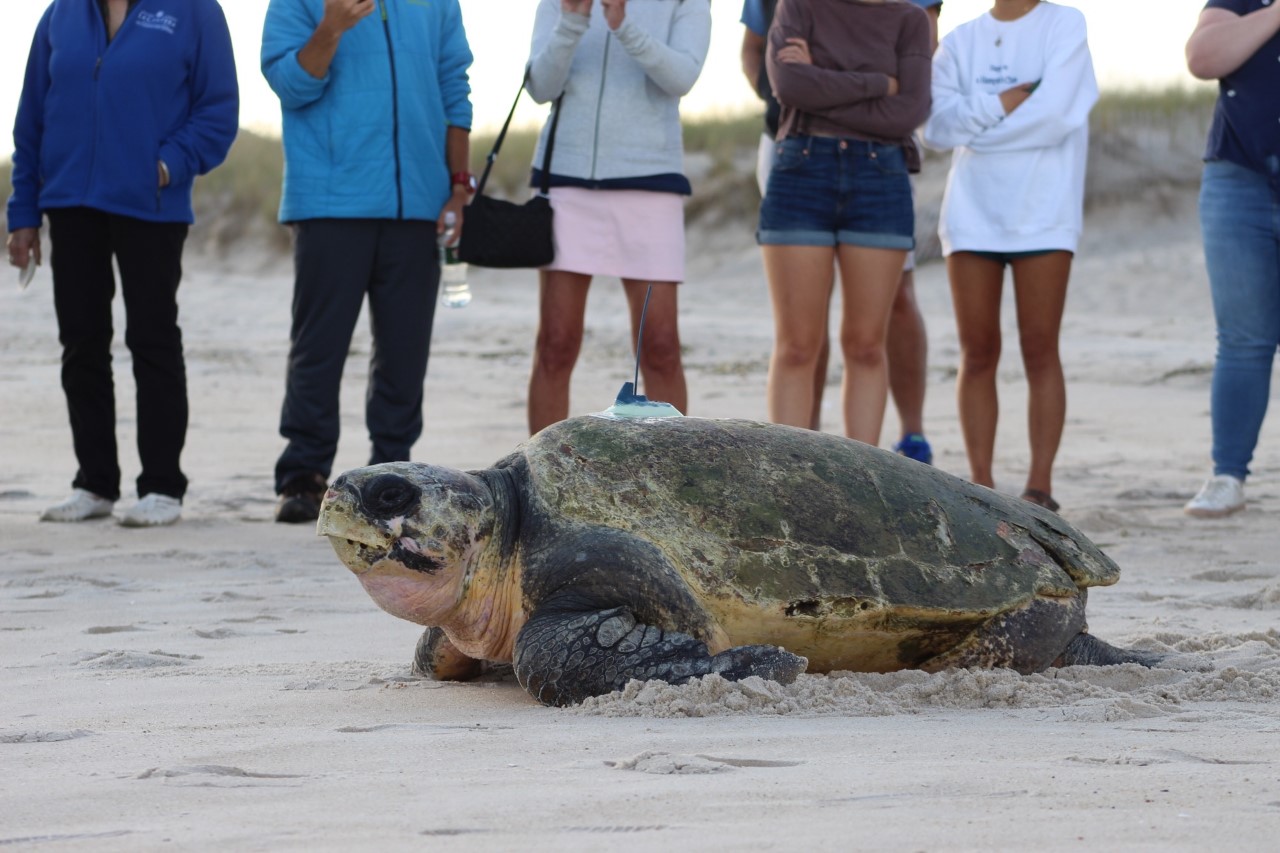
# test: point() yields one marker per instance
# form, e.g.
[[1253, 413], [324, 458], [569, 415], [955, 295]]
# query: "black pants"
[[149, 255], [336, 262]]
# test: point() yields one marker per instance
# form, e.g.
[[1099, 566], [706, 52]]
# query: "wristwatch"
[[464, 179]]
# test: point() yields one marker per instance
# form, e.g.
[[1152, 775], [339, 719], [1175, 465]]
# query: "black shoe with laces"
[[300, 499]]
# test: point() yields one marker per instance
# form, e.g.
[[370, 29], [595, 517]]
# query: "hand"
[[576, 7], [455, 205], [24, 243], [615, 12], [1013, 98], [894, 87], [162, 173], [342, 15], [796, 52]]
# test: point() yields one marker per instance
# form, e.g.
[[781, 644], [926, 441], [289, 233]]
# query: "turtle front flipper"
[[562, 658], [437, 658], [772, 663]]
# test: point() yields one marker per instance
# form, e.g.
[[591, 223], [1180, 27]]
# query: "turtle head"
[[409, 532]]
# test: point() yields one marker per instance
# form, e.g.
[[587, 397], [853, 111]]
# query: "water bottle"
[[455, 292]]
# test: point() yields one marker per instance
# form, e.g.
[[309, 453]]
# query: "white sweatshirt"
[[1017, 180]]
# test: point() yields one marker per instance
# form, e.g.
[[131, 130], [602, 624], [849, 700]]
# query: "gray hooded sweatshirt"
[[620, 117]]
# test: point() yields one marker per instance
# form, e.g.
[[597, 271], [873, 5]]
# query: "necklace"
[[1019, 16]]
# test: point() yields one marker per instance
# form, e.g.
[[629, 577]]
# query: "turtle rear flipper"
[[1087, 650], [563, 657]]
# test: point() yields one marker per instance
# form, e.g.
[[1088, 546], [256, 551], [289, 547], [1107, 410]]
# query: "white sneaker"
[[80, 506], [1220, 496], [152, 510]]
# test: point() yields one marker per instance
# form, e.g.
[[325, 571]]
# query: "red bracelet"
[[463, 179]]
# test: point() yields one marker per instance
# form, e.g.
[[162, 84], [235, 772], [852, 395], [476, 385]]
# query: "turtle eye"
[[389, 495]]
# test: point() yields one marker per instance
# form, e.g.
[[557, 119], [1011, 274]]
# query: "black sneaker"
[[300, 499]]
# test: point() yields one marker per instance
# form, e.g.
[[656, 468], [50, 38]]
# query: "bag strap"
[[545, 184], [502, 135]]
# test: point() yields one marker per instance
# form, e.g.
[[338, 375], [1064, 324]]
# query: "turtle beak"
[[341, 516], [358, 543]]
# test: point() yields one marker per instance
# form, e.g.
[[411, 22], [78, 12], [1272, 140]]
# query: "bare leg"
[[562, 307], [820, 369], [660, 362], [976, 285], [1040, 288], [908, 350], [800, 290], [869, 282]]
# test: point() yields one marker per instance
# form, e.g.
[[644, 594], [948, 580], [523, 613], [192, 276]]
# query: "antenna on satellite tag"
[[628, 403]]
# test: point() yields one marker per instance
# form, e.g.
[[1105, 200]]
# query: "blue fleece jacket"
[[95, 117], [368, 139]]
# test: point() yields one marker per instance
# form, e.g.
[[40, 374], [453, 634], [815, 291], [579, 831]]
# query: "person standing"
[[619, 69], [1012, 92], [853, 81], [907, 344], [1237, 43], [757, 17], [124, 103], [377, 122]]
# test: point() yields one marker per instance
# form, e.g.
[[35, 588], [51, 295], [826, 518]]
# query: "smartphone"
[[28, 272]]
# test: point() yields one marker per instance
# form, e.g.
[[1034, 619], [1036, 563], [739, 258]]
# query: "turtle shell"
[[809, 540]]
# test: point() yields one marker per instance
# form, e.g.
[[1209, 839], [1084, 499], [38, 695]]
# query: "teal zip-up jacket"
[[367, 141]]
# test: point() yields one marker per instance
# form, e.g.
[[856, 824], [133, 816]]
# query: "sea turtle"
[[605, 549]]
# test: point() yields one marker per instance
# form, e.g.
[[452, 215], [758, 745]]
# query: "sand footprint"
[[219, 776], [224, 597], [669, 763], [129, 659], [43, 736], [1229, 576], [1148, 758], [1267, 598], [216, 634]]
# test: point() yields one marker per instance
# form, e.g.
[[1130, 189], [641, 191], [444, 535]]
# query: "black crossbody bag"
[[503, 234]]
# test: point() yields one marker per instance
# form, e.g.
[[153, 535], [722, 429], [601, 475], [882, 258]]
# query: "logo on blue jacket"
[[158, 21]]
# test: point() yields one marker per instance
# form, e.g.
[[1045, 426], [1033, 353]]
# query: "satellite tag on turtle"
[[629, 404]]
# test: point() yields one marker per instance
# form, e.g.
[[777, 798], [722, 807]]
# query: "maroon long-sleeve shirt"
[[856, 46]]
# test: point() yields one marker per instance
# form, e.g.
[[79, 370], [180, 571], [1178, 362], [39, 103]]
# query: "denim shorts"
[[1006, 258], [824, 191]]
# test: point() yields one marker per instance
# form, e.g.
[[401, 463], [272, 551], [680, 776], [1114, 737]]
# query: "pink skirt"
[[633, 234]]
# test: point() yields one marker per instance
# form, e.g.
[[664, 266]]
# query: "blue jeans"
[[1240, 220], [824, 191]]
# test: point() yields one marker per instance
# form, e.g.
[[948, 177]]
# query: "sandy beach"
[[225, 683]]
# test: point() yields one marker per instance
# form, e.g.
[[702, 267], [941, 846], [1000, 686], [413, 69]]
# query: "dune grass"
[[241, 198], [1168, 105]]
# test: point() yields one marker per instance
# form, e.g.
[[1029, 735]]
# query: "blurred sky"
[[1135, 43]]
